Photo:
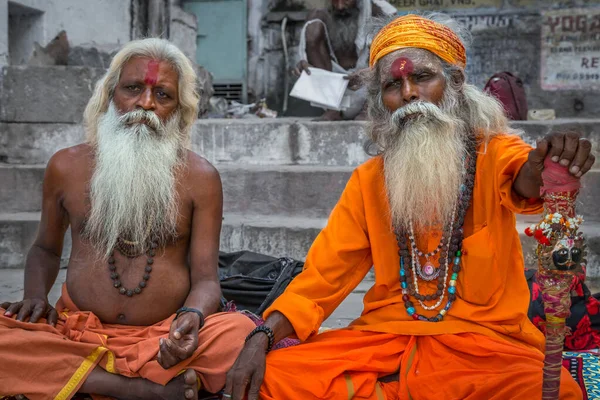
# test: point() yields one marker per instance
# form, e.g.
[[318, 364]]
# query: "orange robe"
[[484, 348], [43, 362]]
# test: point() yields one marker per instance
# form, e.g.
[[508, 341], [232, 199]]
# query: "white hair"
[[158, 49]]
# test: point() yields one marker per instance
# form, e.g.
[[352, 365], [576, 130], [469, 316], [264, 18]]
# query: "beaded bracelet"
[[183, 310], [267, 331]]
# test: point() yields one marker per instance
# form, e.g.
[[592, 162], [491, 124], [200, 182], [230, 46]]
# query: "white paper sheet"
[[322, 88]]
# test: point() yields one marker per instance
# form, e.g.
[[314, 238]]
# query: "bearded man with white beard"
[[137, 318], [434, 215]]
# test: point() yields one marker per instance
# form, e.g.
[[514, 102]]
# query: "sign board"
[[570, 49], [443, 5]]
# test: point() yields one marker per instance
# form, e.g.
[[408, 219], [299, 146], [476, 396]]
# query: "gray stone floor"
[[11, 289]]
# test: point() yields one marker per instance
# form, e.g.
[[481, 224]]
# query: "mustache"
[[418, 111], [141, 116]]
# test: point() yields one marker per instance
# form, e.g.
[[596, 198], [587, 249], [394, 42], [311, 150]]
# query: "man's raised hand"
[[569, 149]]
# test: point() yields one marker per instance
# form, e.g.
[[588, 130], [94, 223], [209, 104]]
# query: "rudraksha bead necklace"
[[147, 270]]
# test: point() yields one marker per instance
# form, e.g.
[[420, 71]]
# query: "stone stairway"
[[281, 178]]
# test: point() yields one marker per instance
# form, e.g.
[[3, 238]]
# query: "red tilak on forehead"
[[151, 73], [401, 68]]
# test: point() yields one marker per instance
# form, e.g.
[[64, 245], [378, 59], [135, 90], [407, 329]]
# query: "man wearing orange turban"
[[434, 214]]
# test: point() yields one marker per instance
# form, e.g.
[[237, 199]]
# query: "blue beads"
[[410, 310], [422, 318], [456, 260], [454, 276], [452, 289], [463, 187], [448, 306], [402, 272], [403, 285], [401, 262]]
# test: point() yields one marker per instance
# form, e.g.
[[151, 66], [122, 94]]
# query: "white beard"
[[423, 164], [343, 31], [132, 190]]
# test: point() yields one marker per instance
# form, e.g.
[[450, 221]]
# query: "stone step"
[[256, 141], [307, 191], [296, 191], [56, 94], [272, 235]]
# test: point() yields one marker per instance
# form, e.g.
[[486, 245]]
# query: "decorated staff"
[[560, 252]]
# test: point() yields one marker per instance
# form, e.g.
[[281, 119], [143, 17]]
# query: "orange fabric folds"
[[346, 364], [414, 31], [43, 362]]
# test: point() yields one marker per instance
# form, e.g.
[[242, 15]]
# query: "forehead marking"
[[401, 67], [151, 73]]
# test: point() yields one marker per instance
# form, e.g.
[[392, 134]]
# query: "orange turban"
[[414, 31]]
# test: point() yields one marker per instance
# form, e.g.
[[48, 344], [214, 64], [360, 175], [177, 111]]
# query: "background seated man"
[[434, 215], [335, 39], [135, 320]]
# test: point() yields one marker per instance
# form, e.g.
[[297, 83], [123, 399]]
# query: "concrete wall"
[[25, 27], [507, 37], [256, 57], [182, 29], [96, 29], [102, 24], [3, 32]]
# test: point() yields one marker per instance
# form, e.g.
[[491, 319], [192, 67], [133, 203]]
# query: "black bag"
[[253, 281]]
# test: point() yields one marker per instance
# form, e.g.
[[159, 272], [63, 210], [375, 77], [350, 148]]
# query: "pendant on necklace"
[[428, 272], [428, 269]]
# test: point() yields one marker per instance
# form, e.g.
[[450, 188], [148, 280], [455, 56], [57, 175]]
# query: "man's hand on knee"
[[248, 371], [182, 341], [32, 309]]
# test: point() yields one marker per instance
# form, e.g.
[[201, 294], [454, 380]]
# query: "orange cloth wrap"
[[414, 31], [44, 362]]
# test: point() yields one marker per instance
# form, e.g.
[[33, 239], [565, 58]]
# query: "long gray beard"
[[132, 191], [343, 31], [424, 164]]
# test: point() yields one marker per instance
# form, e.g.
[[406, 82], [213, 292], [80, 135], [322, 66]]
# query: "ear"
[[457, 78]]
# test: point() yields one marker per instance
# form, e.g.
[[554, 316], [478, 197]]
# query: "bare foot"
[[185, 386], [190, 384], [330, 115]]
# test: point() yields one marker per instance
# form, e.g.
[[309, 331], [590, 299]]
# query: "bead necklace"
[[147, 270], [427, 272], [441, 271], [453, 242], [129, 248]]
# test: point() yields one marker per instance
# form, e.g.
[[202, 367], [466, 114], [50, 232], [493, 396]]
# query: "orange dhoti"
[[346, 364], [43, 362]]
